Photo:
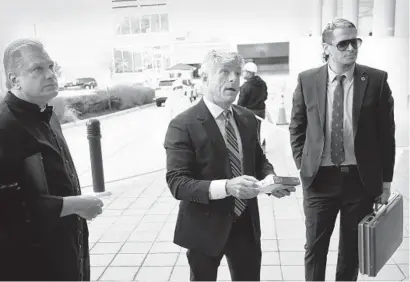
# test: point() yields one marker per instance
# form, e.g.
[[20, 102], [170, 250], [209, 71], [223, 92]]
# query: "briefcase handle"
[[377, 207]]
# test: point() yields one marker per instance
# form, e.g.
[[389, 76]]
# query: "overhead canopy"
[[182, 67]]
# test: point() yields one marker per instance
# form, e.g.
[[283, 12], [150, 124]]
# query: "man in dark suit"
[[214, 162], [342, 137]]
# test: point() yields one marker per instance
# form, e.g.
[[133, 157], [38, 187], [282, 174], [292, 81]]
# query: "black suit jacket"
[[196, 155], [373, 123]]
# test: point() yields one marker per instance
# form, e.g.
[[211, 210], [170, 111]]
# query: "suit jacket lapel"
[[321, 93], [244, 133], [359, 90], [215, 137]]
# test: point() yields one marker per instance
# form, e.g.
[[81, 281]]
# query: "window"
[[155, 23], [135, 25], [124, 27], [118, 66], [127, 61], [148, 57], [164, 22], [145, 24], [137, 62]]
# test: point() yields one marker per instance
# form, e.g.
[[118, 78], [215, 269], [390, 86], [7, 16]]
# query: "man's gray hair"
[[215, 58], [327, 34], [13, 54]]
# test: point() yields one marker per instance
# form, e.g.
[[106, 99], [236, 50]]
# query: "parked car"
[[165, 88], [86, 83], [69, 84]]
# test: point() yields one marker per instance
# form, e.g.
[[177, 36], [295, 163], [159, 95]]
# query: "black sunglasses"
[[344, 44]]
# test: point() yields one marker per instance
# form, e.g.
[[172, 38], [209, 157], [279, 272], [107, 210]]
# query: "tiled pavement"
[[132, 239]]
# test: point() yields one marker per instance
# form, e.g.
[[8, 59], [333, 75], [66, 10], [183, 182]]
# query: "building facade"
[[142, 41]]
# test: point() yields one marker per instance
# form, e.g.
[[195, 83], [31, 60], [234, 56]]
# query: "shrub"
[[130, 95], [121, 97], [58, 106], [62, 111]]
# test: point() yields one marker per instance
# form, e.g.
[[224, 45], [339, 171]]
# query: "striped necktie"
[[234, 158]]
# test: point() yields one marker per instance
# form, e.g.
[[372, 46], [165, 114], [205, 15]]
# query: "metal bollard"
[[94, 140]]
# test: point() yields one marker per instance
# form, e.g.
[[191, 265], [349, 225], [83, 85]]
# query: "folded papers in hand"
[[270, 184]]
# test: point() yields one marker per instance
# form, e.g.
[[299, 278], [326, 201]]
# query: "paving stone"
[[180, 273], [389, 272], [106, 248], [101, 259], [96, 271], [270, 258], [405, 270], [114, 236], [269, 245], [271, 272], [136, 247], [114, 273], [128, 260], [165, 247], [152, 273], [161, 259], [143, 236]]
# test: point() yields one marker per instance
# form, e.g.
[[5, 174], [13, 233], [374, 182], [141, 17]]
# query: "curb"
[[123, 112], [126, 178]]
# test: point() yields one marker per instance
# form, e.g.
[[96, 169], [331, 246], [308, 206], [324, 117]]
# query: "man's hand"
[[242, 187], [277, 190], [384, 197], [86, 206], [283, 191]]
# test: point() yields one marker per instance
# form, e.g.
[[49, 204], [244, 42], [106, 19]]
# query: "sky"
[[76, 33], [79, 34]]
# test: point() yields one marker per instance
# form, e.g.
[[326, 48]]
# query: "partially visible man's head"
[[340, 42], [221, 73], [30, 71], [249, 70]]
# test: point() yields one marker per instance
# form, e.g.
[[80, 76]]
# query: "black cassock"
[[35, 242]]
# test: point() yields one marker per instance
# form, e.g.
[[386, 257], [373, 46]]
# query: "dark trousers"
[[243, 254], [333, 190]]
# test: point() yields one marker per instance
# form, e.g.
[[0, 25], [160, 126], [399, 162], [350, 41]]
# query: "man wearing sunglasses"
[[342, 137]]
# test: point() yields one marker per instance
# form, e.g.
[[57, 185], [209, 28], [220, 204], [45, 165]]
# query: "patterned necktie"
[[337, 150], [234, 158]]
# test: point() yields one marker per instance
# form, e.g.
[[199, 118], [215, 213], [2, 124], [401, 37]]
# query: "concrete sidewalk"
[[132, 239]]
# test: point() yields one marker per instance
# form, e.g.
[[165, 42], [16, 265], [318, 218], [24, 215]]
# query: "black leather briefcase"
[[380, 234]]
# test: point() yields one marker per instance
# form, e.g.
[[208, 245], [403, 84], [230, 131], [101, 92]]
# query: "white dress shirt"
[[348, 134], [217, 189]]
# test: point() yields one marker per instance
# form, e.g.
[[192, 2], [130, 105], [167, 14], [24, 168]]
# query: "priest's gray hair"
[[13, 55]]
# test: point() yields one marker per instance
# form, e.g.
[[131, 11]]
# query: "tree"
[[57, 69]]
